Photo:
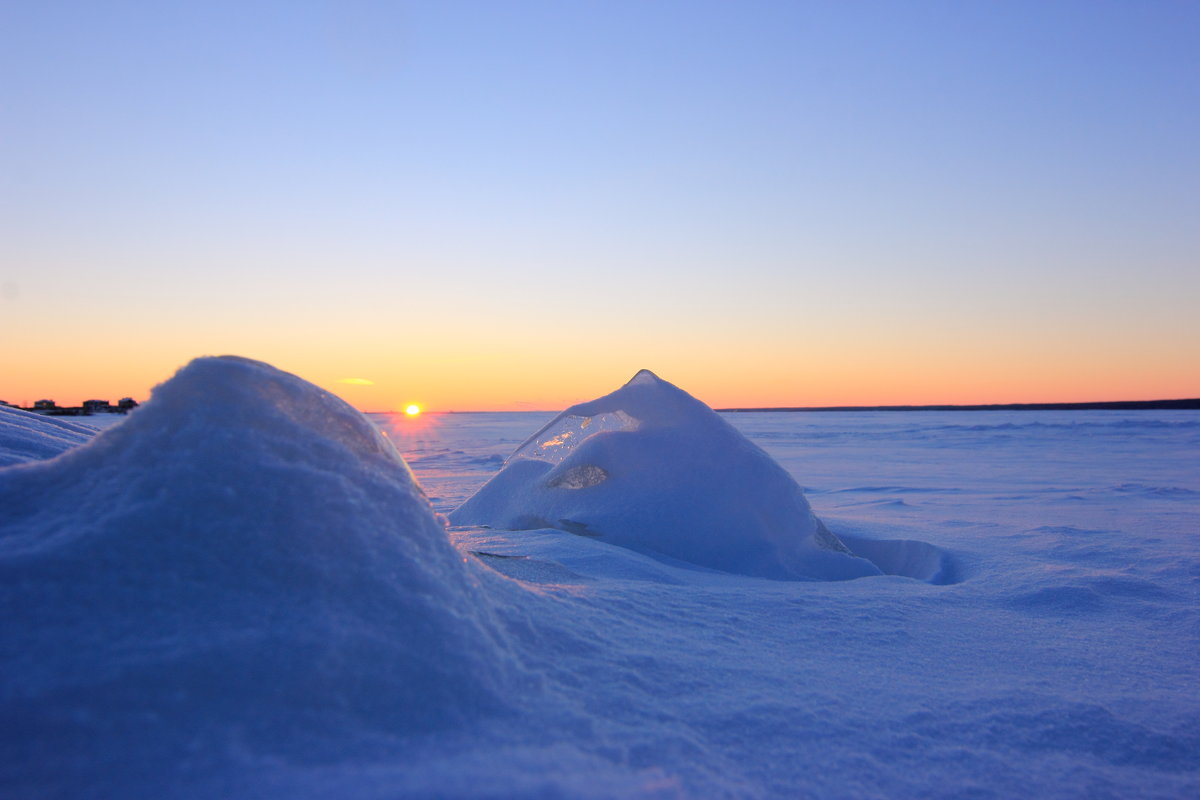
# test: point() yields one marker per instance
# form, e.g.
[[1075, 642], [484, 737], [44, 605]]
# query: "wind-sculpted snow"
[[651, 468], [243, 570], [239, 592], [31, 437]]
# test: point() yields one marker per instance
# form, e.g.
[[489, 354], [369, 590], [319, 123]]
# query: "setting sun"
[[412, 410]]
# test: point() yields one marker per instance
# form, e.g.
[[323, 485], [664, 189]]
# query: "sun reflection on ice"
[[407, 426]]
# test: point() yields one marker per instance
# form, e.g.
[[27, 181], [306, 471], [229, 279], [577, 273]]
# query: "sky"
[[518, 205]]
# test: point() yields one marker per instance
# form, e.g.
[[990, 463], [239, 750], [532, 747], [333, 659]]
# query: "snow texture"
[[240, 592], [32, 437], [651, 468], [245, 566], [1056, 660]]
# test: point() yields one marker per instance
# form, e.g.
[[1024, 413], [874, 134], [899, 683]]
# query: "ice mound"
[[651, 468], [32, 437], [245, 569]]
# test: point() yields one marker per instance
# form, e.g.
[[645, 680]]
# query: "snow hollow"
[[243, 591]]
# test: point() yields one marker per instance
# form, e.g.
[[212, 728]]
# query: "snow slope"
[[31, 437], [651, 468], [244, 570]]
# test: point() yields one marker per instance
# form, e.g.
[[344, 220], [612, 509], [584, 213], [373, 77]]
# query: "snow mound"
[[245, 569], [651, 468], [32, 437]]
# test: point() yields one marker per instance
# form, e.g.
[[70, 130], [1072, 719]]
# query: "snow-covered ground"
[[29, 437], [254, 603], [1065, 660]]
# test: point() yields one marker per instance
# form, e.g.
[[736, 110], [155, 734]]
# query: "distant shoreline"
[[1192, 404]]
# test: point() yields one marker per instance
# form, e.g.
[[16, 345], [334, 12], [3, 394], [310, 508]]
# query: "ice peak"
[[645, 377], [241, 397]]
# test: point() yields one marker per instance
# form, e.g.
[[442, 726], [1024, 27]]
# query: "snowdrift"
[[32, 437], [651, 468], [245, 569]]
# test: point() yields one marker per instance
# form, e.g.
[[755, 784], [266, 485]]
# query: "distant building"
[[89, 407]]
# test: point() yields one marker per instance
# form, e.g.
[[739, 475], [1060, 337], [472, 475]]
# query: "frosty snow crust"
[[651, 468], [32, 437], [245, 556]]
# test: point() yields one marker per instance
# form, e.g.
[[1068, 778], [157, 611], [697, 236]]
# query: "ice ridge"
[[652, 468]]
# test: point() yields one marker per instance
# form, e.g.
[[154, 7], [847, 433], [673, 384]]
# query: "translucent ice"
[[651, 468]]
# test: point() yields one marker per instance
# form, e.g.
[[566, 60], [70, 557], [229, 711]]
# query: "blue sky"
[[679, 183]]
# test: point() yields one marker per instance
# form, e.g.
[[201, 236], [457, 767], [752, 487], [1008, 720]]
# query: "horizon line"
[[1181, 404]]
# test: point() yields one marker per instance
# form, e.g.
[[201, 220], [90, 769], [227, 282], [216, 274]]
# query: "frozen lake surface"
[[1064, 662], [274, 649]]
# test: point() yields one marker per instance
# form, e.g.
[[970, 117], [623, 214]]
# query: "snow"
[[246, 564], [239, 591], [651, 468], [30, 437]]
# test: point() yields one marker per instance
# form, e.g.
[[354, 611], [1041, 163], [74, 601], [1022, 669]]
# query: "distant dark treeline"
[[1114, 405]]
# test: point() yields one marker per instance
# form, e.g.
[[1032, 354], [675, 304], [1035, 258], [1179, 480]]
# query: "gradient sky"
[[504, 205]]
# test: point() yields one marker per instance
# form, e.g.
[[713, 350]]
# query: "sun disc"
[[412, 410]]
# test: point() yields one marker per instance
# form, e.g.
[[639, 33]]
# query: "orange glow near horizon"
[[757, 380], [516, 370], [406, 431], [773, 261]]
